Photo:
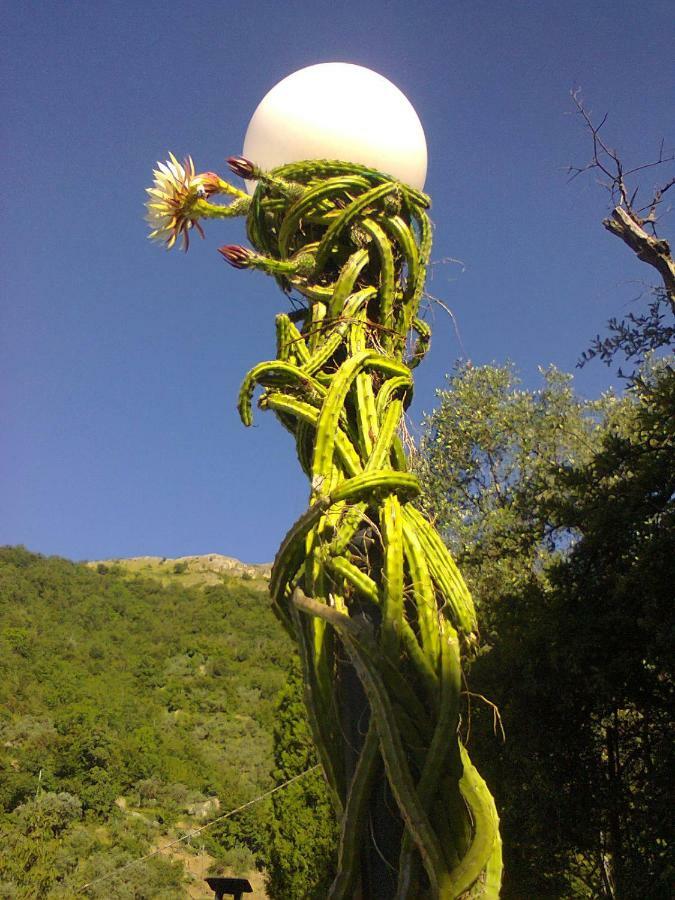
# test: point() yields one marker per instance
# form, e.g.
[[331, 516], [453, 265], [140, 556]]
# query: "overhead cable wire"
[[194, 831]]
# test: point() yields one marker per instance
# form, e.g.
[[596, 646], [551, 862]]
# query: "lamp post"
[[362, 581]]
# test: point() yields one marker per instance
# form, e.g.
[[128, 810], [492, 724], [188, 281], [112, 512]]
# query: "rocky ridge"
[[208, 568]]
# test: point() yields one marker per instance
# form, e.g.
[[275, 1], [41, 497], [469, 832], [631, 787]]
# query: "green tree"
[[304, 833], [30, 848], [612, 603], [489, 459]]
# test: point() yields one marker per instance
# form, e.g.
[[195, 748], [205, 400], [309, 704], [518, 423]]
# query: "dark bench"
[[229, 886]]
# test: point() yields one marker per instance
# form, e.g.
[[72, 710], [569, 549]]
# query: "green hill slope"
[[136, 700]]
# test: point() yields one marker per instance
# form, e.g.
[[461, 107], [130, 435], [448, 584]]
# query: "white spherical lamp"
[[339, 111]]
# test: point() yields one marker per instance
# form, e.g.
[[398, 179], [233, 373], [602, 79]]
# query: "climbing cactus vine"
[[362, 581]]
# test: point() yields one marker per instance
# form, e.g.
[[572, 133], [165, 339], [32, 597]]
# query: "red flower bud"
[[239, 257], [242, 167], [210, 182]]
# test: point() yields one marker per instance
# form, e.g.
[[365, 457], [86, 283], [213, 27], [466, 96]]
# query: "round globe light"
[[338, 111]]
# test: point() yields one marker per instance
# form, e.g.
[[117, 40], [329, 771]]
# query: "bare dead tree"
[[636, 225]]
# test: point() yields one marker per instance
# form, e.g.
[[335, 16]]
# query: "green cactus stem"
[[362, 580], [368, 574]]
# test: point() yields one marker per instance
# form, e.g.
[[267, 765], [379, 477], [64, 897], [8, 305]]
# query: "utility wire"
[[191, 834]]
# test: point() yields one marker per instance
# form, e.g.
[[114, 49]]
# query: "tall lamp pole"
[[362, 581]]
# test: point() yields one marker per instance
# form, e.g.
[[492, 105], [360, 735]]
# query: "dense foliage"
[[117, 688], [612, 604], [305, 834], [490, 459]]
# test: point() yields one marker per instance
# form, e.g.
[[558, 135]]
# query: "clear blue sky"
[[120, 363]]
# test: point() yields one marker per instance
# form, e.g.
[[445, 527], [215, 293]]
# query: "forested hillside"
[[131, 710]]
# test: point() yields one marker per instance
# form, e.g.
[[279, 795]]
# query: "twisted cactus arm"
[[363, 578]]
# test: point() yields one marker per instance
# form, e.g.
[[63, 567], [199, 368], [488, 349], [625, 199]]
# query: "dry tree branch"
[[649, 249], [627, 221]]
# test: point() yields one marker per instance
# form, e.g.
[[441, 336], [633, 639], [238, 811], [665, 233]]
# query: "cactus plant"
[[362, 581]]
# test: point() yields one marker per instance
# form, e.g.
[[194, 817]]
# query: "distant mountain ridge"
[[207, 568]]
